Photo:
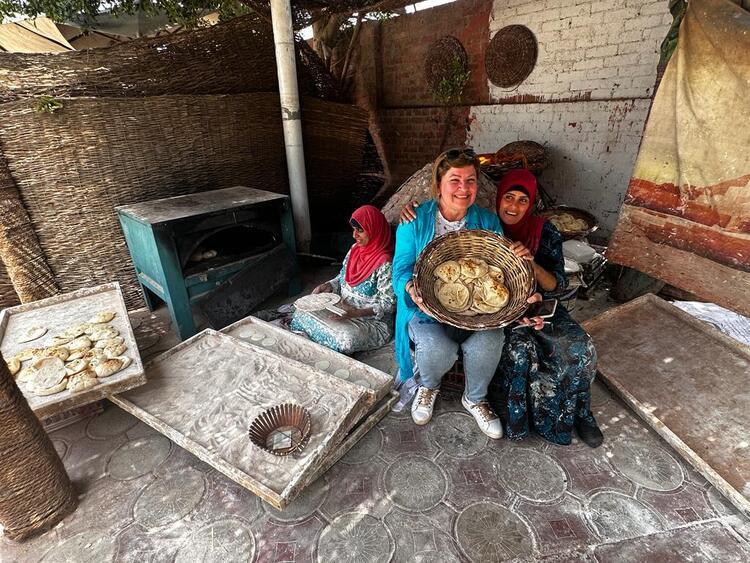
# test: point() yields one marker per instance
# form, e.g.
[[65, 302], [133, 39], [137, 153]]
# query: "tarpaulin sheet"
[[686, 216]]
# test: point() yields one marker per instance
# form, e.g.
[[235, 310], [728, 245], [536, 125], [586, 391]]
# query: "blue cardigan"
[[411, 238]]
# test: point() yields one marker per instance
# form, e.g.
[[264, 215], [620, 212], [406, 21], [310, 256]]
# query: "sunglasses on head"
[[454, 154]]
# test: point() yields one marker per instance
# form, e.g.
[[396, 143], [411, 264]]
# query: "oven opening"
[[225, 245]]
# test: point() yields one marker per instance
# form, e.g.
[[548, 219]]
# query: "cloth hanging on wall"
[[686, 215]]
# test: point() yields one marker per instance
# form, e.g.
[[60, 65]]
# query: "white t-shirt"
[[443, 226]]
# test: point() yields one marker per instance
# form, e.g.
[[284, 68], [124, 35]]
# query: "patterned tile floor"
[[443, 492]]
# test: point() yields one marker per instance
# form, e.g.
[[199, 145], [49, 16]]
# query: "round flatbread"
[[82, 381], [497, 273], [114, 350], [49, 372], [29, 353], [80, 343], [32, 333], [14, 365], [25, 375], [495, 293], [60, 352], [116, 341], [108, 367], [480, 305], [455, 297], [104, 333], [473, 268], [42, 391], [448, 271], [316, 301], [102, 317], [76, 366]]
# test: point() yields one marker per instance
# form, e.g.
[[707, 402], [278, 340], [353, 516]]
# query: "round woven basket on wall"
[[510, 56], [35, 491], [493, 249]]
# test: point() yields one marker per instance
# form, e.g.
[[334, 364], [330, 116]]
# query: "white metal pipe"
[[286, 68]]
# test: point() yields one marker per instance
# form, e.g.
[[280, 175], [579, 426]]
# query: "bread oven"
[[223, 250]]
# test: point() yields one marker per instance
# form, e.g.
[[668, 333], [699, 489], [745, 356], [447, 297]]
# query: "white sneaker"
[[424, 402], [488, 421]]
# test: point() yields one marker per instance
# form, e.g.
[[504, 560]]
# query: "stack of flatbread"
[[76, 359], [565, 223], [470, 286]]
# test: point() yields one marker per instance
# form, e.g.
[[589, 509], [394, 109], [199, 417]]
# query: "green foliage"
[[84, 12], [48, 104], [450, 89]]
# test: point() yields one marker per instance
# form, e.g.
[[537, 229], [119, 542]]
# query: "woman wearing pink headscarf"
[[366, 290]]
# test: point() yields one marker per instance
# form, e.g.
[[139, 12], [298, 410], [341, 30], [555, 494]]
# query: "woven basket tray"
[[493, 249]]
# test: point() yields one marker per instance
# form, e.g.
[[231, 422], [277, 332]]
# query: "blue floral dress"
[[544, 377], [354, 335]]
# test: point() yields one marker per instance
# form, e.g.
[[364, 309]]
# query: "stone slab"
[[376, 383], [204, 393], [687, 380], [58, 313]]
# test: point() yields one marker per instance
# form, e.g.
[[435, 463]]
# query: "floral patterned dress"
[[354, 335], [544, 378]]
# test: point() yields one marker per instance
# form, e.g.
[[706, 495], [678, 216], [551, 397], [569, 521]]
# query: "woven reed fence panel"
[[27, 274], [35, 491], [74, 166], [231, 58]]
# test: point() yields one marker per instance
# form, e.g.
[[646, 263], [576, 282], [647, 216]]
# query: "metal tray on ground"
[[58, 313], [204, 393], [260, 333]]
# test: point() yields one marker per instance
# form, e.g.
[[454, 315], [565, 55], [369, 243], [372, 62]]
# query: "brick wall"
[[591, 49], [407, 39], [586, 99]]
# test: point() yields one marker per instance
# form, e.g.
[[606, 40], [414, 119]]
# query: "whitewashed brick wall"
[[605, 51], [593, 146], [597, 49]]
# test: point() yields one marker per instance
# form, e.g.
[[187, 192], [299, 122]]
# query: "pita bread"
[[495, 293], [108, 367], [33, 333], [480, 305], [28, 353], [109, 342], [102, 317], [473, 268], [42, 391], [455, 297], [60, 352], [82, 381], [14, 365], [25, 375], [93, 327], [104, 333], [114, 350], [76, 366], [48, 373], [497, 274], [448, 271]]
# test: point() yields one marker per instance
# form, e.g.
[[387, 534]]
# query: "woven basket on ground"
[[493, 249], [36, 493]]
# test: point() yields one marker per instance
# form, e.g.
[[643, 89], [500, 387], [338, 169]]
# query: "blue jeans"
[[436, 353]]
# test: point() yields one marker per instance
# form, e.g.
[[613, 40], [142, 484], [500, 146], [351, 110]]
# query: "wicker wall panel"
[[72, 167], [235, 57]]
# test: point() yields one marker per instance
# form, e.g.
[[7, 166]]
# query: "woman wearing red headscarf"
[[364, 284], [543, 382], [544, 377]]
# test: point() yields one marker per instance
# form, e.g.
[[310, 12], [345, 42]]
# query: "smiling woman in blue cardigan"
[[454, 189]]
